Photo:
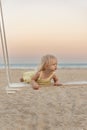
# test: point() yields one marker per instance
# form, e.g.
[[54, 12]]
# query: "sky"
[[38, 27]]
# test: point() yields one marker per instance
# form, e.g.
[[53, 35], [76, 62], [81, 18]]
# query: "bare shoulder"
[[55, 76], [36, 75]]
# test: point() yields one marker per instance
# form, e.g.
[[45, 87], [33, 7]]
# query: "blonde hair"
[[46, 60]]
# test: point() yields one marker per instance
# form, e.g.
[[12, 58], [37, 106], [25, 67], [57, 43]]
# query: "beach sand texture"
[[49, 108]]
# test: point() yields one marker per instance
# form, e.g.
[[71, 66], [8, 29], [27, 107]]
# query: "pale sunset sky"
[[38, 27]]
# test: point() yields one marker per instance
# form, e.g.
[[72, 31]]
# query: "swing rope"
[[4, 44], [11, 87]]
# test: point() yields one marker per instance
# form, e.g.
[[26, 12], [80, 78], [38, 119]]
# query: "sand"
[[49, 108]]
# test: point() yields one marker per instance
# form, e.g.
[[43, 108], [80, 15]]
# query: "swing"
[[11, 87]]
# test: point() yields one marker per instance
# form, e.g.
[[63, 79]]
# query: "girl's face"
[[53, 65]]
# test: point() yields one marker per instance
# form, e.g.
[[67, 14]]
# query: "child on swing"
[[45, 73]]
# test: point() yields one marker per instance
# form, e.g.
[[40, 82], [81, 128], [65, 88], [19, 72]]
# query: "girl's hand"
[[36, 86], [57, 84]]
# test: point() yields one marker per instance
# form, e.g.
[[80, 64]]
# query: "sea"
[[35, 65]]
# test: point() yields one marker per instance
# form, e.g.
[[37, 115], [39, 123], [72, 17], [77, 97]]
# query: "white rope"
[[4, 44], [11, 87]]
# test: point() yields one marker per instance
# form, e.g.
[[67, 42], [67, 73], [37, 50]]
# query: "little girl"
[[45, 73]]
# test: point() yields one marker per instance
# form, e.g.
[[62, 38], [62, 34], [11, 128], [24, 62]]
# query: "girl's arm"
[[34, 81], [56, 81]]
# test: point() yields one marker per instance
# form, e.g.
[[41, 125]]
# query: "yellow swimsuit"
[[46, 81], [27, 76]]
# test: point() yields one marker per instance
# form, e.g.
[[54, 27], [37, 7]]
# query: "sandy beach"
[[49, 108]]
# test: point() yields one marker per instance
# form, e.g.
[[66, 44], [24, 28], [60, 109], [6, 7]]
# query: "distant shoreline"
[[34, 66]]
